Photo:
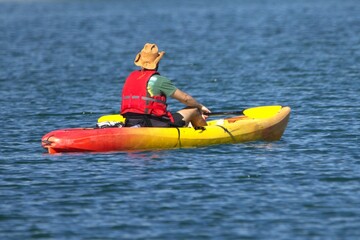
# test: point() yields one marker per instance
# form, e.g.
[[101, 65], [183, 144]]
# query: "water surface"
[[62, 64]]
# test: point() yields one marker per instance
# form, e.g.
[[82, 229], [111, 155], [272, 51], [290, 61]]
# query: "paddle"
[[255, 112], [224, 113]]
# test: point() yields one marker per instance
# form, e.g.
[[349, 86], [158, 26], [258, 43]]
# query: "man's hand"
[[204, 112]]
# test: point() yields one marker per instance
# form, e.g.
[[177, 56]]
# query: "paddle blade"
[[262, 112], [112, 118]]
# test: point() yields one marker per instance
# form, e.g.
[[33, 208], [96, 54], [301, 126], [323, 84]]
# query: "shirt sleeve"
[[161, 85]]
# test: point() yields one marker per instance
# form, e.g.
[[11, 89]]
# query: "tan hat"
[[149, 56]]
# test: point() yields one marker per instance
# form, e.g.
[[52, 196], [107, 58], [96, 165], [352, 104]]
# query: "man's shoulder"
[[160, 78], [161, 84]]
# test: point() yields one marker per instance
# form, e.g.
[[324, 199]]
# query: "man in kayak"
[[145, 92]]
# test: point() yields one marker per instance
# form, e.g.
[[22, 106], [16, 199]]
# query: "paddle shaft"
[[225, 113]]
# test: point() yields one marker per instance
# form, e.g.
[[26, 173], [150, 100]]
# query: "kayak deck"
[[222, 131]]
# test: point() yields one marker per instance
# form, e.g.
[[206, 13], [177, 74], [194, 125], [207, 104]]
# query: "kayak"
[[264, 123]]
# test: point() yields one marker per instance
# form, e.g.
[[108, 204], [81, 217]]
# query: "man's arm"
[[189, 100]]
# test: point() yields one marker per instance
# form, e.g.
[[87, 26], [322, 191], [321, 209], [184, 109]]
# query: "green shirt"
[[159, 85]]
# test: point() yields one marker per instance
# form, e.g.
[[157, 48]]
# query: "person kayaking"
[[145, 92]]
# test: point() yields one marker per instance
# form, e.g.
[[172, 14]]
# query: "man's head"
[[149, 57]]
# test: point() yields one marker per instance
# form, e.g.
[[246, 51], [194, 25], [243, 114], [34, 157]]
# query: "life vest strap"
[[144, 98]]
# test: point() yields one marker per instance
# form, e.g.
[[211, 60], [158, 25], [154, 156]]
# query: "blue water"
[[62, 64]]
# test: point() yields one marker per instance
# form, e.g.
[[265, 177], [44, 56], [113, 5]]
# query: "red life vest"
[[136, 99]]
